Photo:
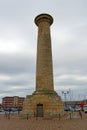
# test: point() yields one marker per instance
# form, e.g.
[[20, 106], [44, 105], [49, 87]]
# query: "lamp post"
[[65, 93]]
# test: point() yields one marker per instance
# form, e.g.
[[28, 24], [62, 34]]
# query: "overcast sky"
[[18, 44]]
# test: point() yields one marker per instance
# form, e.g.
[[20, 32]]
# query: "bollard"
[[59, 117], [9, 116], [80, 114], [27, 116], [70, 116]]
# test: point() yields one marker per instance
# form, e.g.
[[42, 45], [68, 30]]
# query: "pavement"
[[68, 122]]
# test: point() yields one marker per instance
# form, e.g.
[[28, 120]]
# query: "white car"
[[78, 108], [85, 108]]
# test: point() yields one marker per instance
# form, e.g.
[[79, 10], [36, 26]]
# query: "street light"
[[65, 93]]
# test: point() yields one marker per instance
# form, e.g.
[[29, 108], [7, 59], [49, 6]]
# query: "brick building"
[[76, 102], [14, 101]]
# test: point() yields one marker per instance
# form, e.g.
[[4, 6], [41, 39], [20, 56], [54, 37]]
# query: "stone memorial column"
[[44, 67]]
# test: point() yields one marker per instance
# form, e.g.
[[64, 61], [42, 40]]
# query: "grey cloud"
[[70, 66], [13, 64], [71, 82], [19, 81]]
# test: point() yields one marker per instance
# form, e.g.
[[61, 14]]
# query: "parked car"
[[78, 109], [66, 108], [71, 108], [1, 110], [85, 108]]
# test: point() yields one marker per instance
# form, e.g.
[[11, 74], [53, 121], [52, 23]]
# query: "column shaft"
[[44, 67]]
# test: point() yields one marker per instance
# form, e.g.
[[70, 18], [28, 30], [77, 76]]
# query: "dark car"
[[66, 108]]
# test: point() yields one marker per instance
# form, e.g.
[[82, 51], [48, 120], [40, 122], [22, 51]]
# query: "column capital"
[[43, 17]]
